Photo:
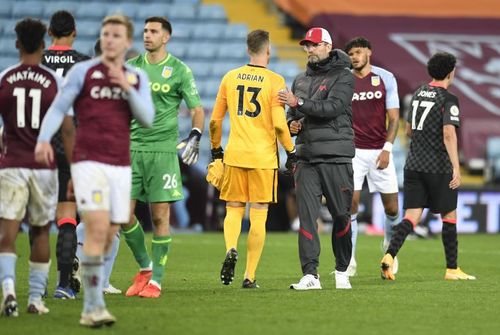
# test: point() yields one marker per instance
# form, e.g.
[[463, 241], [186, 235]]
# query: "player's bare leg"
[[97, 232]]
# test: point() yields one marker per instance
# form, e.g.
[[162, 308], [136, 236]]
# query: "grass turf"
[[195, 302]]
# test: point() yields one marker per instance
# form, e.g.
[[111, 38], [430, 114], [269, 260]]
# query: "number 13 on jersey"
[[242, 109]]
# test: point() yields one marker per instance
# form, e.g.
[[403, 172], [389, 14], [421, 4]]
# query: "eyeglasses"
[[312, 45]]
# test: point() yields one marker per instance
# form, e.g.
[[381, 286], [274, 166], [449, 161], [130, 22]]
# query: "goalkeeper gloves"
[[217, 153], [291, 162], [215, 173], [191, 146]]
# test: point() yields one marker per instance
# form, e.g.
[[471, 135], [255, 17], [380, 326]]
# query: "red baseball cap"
[[317, 35]]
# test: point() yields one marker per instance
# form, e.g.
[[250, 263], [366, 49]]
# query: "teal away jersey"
[[170, 81]]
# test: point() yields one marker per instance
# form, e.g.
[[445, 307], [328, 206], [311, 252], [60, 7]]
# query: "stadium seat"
[[85, 46], [232, 51], [145, 11], [207, 51], [90, 10], [200, 70], [237, 32], [285, 68], [88, 29], [213, 31], [50, 7], [5, 10], [8, 26], [211, 88], [178, 49], [27, 8], [8, 47], [182, 11], [181, 31], [6, 61], [194, 2], [208, 104], [212, 12], [219, 69], [127, 9]]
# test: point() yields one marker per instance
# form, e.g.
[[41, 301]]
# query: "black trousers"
[[335, 183]]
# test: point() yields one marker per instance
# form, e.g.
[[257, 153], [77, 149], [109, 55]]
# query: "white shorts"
[[100, 186], [32, 189], [364, 165]]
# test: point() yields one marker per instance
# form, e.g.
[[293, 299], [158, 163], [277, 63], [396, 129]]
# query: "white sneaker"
[[395, 265], [342, 280], [97, 318], [111, 290], [37, 307], [308, 282], [351, 269]]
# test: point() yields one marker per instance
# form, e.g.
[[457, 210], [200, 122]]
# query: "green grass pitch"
[[195, 302]]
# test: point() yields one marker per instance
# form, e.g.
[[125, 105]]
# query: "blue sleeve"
[[63, 102], [391, 87], [141, 102]]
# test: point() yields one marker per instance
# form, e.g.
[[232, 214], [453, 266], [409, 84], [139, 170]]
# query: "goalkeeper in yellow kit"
[[250, 95]]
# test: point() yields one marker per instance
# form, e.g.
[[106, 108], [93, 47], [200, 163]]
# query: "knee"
[[391, 213], [391, 210], [159, 221], [342, 225]]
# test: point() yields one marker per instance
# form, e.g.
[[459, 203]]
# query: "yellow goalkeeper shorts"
[[249, 185]]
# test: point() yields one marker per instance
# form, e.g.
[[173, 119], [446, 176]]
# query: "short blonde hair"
[[120, 19]]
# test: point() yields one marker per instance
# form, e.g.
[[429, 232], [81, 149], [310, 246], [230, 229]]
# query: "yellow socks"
[[255, 242], [232, 226]]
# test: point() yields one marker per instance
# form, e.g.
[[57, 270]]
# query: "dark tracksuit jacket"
[[325, 148]]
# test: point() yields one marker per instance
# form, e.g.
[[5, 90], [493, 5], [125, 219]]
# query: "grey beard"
[[314, 59]]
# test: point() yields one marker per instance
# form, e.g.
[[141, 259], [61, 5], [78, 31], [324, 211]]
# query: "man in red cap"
[[320, 115]]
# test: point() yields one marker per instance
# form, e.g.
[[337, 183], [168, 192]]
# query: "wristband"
[[387, 146]]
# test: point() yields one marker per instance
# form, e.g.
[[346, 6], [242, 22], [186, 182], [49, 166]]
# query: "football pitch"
[[194, 301]]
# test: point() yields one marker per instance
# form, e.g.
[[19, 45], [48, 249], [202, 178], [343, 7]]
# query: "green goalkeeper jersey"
[[170, 81]]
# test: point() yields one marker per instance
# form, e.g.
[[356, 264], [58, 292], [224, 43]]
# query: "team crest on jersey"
[[132, 78], [167, 71], [97, 75], [375, 80], [97, 197]]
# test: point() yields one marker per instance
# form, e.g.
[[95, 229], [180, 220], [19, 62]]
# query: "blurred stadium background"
[[210, 37]]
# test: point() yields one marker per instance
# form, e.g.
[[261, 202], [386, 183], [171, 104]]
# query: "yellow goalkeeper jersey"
[[257, 118]]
